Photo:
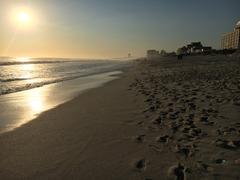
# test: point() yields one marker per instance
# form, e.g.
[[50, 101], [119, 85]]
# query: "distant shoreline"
[[23, 75]]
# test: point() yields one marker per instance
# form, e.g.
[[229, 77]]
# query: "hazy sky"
[[111, 28]]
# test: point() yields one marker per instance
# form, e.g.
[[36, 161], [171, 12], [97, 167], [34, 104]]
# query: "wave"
[[8, 90], [13, 79], [10, 63]]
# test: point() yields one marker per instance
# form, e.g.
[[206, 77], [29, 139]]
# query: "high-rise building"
[[231, 40]]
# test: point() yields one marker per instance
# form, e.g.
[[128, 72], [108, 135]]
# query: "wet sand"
[[21, 107], [163, 119]]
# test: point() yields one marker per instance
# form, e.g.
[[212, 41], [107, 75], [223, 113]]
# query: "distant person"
[[180, 56], [179, 53]]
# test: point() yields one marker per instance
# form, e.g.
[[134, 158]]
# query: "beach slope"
[[86, 138]]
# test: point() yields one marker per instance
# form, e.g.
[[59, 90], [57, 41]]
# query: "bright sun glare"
[[23, 17]]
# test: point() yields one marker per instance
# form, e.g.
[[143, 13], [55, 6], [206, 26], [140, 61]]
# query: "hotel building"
[[231, 40]]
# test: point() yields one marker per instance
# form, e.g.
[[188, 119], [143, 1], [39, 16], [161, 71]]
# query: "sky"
[[111, 28]]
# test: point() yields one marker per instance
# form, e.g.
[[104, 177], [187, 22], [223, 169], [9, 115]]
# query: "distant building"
[[207, 49], [231, 40], [183, 50], [194, 48], [163, 53], [171, 54], [153, 54]]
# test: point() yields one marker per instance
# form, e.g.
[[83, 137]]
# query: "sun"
[[23, 17]]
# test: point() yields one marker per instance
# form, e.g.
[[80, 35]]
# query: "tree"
[[163, 53]]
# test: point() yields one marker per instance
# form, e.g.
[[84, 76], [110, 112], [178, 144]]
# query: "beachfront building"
[[231, 40], [153, 54], [194, 48]]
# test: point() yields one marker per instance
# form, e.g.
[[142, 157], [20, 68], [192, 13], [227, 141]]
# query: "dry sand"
[[163, 119]]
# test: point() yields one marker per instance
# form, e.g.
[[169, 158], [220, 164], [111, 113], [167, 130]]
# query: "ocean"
[[32, 86], [19, 75]]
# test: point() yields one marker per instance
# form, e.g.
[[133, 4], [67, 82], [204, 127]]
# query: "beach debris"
[[220, 161], [177, 171]]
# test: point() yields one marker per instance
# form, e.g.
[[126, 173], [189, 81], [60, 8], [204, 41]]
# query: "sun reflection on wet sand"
[[19, 108], [36, 97], [36, 101]]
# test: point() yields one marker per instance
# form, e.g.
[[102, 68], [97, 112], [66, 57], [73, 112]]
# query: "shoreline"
[[49, 147], [24, 106], [164, 118]]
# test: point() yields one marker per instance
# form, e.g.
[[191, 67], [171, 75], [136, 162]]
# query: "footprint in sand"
[[204, 167], [140, 164], [186, 150], [231, 145], [157, 120], [205, 121], [139, 138], [195, 132], [163, 139], [148, 179], [237, 161], [228, 130], [236, 102]]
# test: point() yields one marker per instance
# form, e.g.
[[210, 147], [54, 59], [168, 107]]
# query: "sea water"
[[19, 75], [28, 88]]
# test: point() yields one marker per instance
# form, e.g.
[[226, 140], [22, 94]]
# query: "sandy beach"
[[164, 119]]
